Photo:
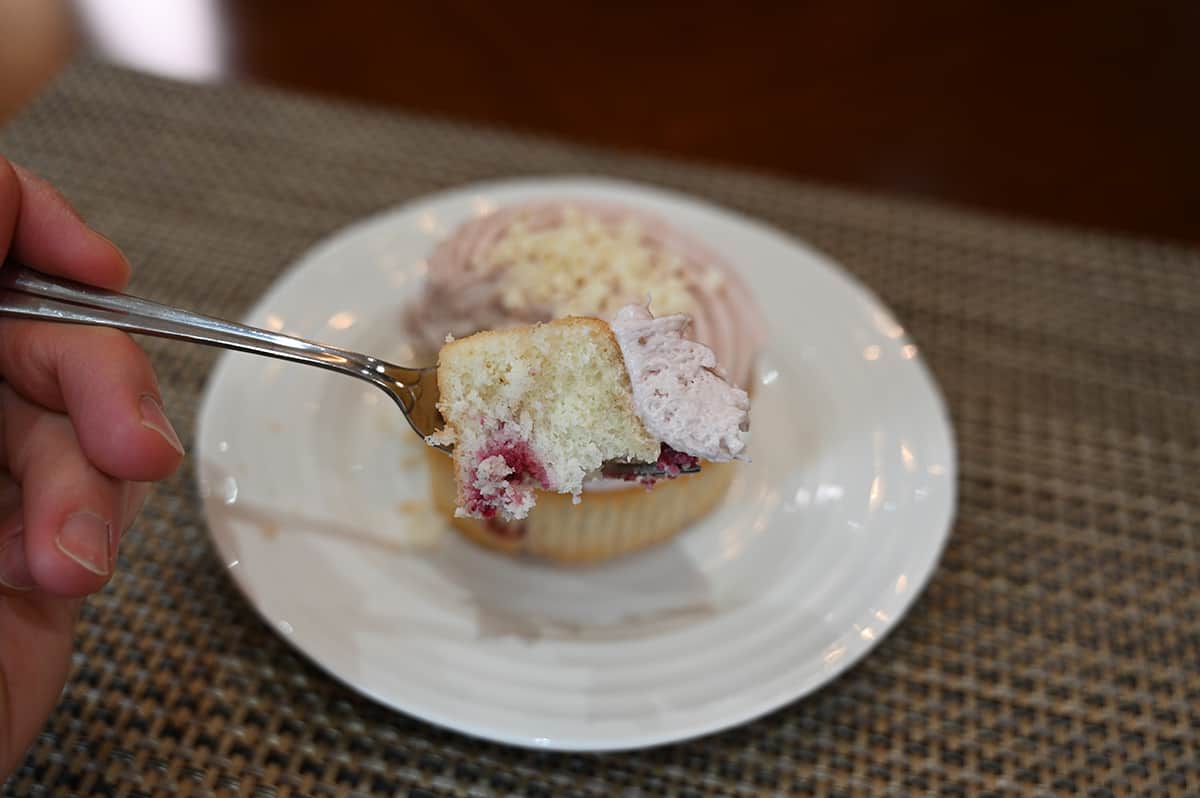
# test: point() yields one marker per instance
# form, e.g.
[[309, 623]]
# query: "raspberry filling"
[[671, 461], [674, 462], [505, 474]]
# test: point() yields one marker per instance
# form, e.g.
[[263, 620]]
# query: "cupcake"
[[532, 263]]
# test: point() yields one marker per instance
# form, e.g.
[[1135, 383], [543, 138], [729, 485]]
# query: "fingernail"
[[14, 571], [87, 539], [133, 498], [112, 244], [154, 418]]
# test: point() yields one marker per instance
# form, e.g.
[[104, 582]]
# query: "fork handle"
[[28, 294]]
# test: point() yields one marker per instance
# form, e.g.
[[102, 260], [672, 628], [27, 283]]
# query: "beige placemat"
[[1055, 651]]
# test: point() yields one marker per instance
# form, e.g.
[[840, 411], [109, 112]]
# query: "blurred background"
[[1086, 113]]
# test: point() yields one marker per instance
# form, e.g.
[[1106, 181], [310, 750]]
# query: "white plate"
[[315, 496]]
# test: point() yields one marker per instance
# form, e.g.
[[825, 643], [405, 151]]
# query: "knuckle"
[[25, 346]]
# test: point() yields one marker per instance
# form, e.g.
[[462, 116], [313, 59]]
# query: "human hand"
[[82, 434]]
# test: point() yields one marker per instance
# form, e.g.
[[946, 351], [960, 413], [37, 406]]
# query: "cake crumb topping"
[[582, 266]]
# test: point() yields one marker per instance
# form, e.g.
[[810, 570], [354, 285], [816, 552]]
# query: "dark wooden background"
[[1084, 112], [1079, 112]]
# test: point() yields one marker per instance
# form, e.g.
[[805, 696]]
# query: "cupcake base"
[[606, 524]]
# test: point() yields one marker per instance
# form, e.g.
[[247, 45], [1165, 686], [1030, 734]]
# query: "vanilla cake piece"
[[536, 407], [547, 406]]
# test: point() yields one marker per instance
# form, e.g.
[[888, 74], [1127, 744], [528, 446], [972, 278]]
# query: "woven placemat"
[[1055, 651]]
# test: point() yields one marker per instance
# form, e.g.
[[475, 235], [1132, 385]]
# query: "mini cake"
[[544, 406], [550, 406], [532, 263]]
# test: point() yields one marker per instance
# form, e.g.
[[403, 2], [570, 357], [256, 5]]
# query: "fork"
[[29, 294]]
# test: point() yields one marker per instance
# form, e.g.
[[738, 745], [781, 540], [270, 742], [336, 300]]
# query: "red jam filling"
[[520, 458], [672, 461], [526, 469]]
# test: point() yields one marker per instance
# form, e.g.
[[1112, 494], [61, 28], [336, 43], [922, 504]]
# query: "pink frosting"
[[464, 290], [678, 389]]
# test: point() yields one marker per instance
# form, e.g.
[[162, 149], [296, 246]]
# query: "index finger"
[[40, 228]]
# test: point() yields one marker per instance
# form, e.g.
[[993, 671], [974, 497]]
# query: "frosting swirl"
[[539, 261]]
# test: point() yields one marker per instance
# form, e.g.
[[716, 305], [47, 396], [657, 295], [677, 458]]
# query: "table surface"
[[1054, 651]]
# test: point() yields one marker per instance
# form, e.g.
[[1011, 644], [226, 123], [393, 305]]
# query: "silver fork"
[[28, 294]]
